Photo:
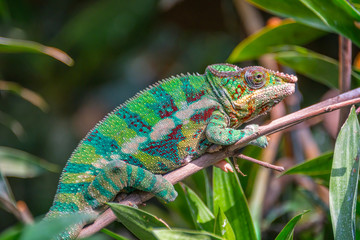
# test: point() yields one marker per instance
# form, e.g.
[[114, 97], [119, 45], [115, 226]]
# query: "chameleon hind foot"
[[224, 165], [118, 175]]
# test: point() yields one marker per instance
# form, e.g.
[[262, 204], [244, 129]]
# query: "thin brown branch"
[[136, 198], [261, 163], [344, 73]]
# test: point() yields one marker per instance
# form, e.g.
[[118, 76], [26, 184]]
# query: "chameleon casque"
[[162, 128]]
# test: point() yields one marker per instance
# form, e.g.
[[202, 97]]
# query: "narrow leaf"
[[339, 15], [12, 124], [165, 234], [318, 168], [229, 196], [287, 33], [7, 200], [292, 9], [17, 163], [137, 221], [12, 233], [201, 215], [14, 46], [208, 191], [223, 227], [344, 179], [288, 231], [180, 206], [112, 234], [24, 93]]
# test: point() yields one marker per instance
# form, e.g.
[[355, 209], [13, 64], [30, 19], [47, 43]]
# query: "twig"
[[344, 73], [136, 198], [236, 165], [264, 164]]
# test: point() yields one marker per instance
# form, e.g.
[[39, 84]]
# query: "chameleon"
[[161, 129]]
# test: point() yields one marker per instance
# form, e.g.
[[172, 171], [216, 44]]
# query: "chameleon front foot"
[[260, 141]]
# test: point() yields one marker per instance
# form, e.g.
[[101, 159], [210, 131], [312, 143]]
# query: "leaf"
[[180, 206], [287, 33], [208, 191], [344, 179], [318, 168], [287, 232], [112, 234], [203, 218], [223, 227], [292, 9], [45, 230], [11, 123], [229, 196], [7, 200], [165, 234], [15, 46], [313, 65], [339, 15], [137, 221], [12, 233], [25, 93], [17, 163]]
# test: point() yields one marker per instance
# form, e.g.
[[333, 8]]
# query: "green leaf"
[[24, 93], [7, 200], [45, 230], [164, 234], [208, 191], [15, 46], [12, 233], [344, 179], [292, 9], [112, 234], [287, 33], [229, 196], [180, 206], [313, 65], [287, 232], [12, 124], [203, 218], [137, 221], [339, 15], [223, 227], [318, 168], [17, 163]]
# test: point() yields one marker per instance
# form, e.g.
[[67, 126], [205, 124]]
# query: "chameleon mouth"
[[286, 77], [271, 94]]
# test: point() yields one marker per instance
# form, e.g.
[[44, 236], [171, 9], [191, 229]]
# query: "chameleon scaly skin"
[[162, 128]]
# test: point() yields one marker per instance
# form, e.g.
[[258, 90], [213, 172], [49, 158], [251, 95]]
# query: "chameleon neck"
[[224, 98]]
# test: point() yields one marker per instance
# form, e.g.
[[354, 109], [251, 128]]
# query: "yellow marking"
[[85, 154]]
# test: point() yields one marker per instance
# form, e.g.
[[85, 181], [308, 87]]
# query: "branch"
[[136, 198]]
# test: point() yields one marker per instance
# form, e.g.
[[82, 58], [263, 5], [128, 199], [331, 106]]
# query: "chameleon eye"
[[255, 78]]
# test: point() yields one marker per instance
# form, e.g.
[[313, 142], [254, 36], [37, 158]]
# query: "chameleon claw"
[[236, 165]]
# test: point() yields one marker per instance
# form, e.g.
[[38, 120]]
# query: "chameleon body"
[[162, 128]]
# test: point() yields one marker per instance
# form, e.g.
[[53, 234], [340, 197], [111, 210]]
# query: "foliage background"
[[119, 47]]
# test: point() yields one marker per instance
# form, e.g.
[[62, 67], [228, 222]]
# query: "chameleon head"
[[251, 91]]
